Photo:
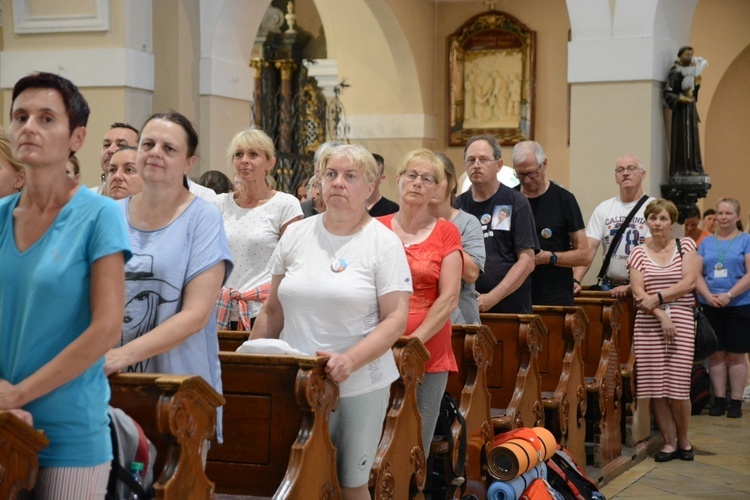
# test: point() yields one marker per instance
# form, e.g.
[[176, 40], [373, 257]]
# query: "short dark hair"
[[497, 153], [708, 211], [380, 161], [693, 213], [216, 180], [181, 120], [75, 105], [125, 125]]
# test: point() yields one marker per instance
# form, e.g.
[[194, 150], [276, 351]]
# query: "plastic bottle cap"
[[136, 466]]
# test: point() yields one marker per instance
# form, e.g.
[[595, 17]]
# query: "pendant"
[[338, 265], [719, 266]]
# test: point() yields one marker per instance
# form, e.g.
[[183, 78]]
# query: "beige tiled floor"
[[721, 468]]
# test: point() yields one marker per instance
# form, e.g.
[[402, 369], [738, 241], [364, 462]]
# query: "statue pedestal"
[[685, 190]]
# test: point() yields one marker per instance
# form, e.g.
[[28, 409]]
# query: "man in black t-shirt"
[[508, 225], [559, 226], [377, 204]]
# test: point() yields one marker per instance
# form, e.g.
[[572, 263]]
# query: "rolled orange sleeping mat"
[[525, 449]]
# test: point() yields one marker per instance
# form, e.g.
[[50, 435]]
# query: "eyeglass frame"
[[482, 160], [634, 169], [531, 175], [427, 179]]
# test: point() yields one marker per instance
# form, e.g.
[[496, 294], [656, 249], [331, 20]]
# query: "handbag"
[[706, 342]]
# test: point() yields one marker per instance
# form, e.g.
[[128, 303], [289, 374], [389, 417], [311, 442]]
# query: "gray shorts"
[[356, 427]]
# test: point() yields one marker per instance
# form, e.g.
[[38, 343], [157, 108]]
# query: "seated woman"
[[63, 249], [12, 174], [255, 216], [340, 287], [433, 249], [180, 260], [472, 242], [123, 178], [216, 181]]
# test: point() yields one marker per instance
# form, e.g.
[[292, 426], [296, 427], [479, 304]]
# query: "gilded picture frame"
[[491, 69]]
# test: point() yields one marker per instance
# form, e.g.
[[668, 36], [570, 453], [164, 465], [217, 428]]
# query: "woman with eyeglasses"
[[433, 249]]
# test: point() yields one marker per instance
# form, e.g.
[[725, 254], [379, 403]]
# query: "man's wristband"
[[576, 282], [661, 299]]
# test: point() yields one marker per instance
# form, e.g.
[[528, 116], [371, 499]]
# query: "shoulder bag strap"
[[679, 249], [616, 239]]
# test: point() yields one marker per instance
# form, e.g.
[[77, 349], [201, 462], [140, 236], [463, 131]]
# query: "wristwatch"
[[729, 294], [552, 259]]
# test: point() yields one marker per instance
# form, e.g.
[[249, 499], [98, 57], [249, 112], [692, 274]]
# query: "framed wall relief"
[[491, 79]]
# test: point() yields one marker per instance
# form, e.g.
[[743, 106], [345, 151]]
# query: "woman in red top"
[[433, 249]]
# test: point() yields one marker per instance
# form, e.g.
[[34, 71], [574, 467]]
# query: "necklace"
[[408, 243], [720, 255]]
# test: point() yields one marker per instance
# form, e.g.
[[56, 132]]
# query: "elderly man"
[[119, 135], [559, 226], [510, 243], [607, 219]]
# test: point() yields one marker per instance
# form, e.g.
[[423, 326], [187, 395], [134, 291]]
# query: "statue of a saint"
[[680, 94]]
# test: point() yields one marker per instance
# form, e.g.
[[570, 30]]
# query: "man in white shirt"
[[607, 219]]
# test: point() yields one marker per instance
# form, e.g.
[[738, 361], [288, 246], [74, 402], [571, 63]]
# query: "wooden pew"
[[178, 414], [276, 440], [563, 382], [19, 448], [473, 346], [230, 340], [399, 469], [635, 424], [513, 381], [603, 379]]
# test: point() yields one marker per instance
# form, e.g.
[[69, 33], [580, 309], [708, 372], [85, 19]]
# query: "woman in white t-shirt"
[[255, 216], [340, 288]]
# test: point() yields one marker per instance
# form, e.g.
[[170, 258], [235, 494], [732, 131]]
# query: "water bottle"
[[136, 470]]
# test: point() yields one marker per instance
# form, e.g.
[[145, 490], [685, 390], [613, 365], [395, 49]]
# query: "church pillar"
[[618, 58]]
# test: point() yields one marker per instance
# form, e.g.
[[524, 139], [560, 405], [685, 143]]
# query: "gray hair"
[[523, 148]]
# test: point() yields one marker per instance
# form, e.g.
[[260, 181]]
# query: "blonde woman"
[[12, 175]]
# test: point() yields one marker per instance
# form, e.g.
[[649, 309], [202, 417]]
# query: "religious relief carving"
[[491, 79]]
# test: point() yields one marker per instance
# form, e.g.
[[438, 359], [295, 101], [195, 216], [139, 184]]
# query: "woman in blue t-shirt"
[[723, 287], [63, 250]]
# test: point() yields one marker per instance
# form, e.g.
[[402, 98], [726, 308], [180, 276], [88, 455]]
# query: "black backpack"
[[442, 465], [568, 480]]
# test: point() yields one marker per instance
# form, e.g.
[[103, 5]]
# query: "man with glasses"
[[508, 226], [559, 227], [607, 219]]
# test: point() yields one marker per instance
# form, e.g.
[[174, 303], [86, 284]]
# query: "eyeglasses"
[[483, 160], [531, 175], [630, 168], [427, 179]]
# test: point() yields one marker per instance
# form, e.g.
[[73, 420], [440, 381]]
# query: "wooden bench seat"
[[513, 380], [603, 379], [563, 381], [276, 440], [399, 469], [178, 414], [19, 461]]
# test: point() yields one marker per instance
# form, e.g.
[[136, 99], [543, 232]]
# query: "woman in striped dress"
[[661, 278]]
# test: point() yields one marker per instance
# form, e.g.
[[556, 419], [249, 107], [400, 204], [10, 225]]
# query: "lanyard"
[[720, 255]]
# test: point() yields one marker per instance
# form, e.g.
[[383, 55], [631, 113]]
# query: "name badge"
[[720, 273]]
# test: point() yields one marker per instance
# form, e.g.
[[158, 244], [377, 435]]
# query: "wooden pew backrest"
[[178, 414], [19, 448]]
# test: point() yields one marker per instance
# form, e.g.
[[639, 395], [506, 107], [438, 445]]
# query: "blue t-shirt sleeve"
[[209, 242], [108, 232]]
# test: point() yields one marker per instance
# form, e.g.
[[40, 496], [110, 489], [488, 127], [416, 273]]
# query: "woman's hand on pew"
[[112, 362], [338, 366], [23, 415]]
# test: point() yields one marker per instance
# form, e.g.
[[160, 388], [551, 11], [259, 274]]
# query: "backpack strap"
[[616, 239]]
